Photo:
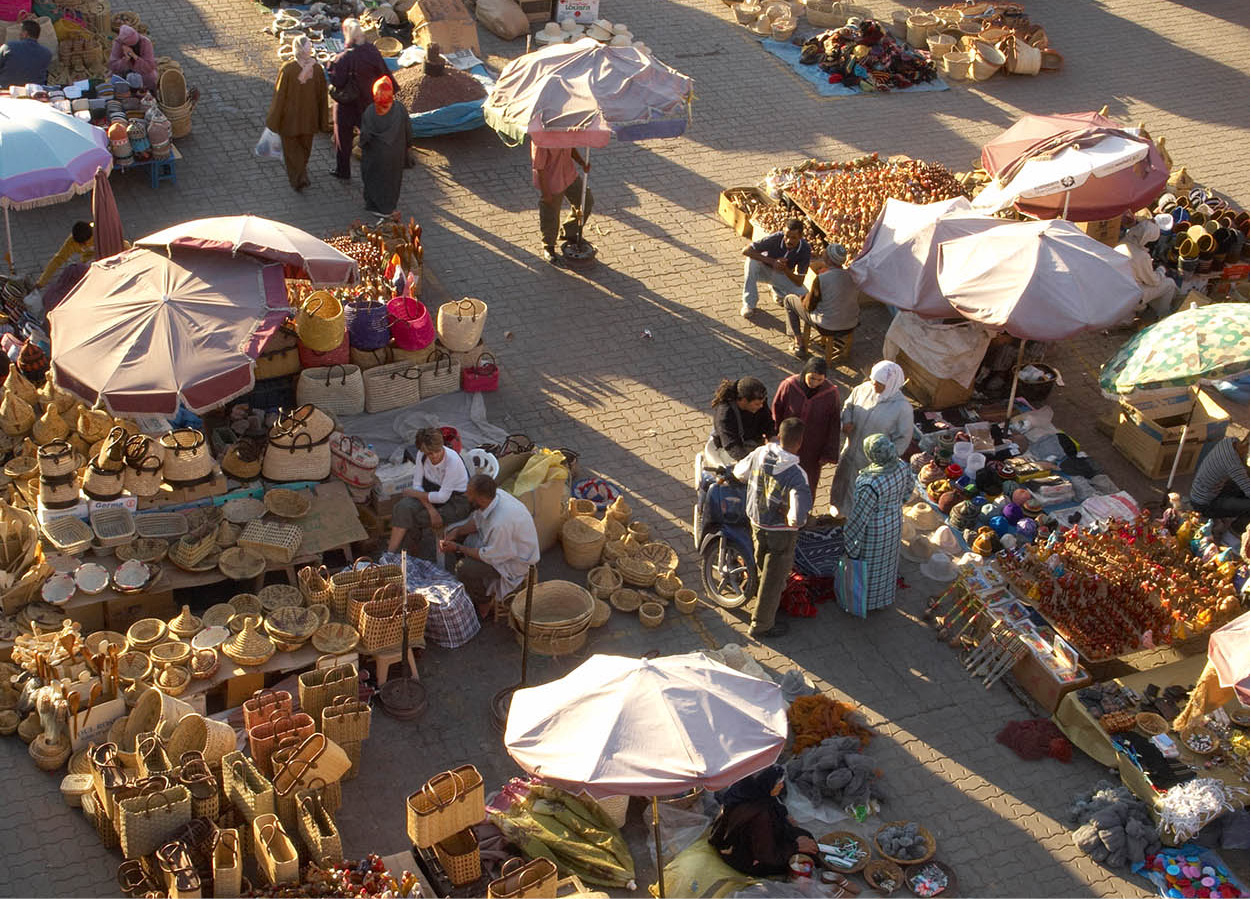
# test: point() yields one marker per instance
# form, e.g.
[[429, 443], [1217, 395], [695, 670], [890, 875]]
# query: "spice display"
[[845, 203], [867, 57], [929, 880], [814, 718], [1130, 585], [420, 92]]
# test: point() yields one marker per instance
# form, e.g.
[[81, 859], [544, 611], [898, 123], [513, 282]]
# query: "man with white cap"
[[830, 304]]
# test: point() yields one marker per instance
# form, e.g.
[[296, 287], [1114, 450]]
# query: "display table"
[[1084, 731], [238, 683]]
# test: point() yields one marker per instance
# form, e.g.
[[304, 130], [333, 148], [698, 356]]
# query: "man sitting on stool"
[[437, 498], [831, 304], [506, 546]]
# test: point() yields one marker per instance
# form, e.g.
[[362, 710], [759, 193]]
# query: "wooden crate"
[[1149, 432], [1152, 458], [932, 391], [1107, 231], [537, 11], [734, 213]]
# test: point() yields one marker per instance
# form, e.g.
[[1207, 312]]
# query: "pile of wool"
[[903, 841], [1113, 826], [836, 771]]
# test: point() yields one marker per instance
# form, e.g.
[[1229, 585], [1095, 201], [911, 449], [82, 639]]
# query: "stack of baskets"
[[176, 102], [442, 814], [560, 617]]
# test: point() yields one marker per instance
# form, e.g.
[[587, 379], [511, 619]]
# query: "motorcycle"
[[723, 536]]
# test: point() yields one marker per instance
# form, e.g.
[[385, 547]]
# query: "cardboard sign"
[[446, 23], [93, 725], [584, 12]]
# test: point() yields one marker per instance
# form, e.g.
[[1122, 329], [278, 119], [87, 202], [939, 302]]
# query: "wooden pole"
[[660, 861], [1020, 357]]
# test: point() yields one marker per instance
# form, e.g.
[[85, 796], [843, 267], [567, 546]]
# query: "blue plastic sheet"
[[789, 54], [456, 117]]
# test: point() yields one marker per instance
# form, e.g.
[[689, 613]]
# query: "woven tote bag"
[[439, 377], [368, 324], [320, 323], [336, 389], [411, 327], [460, 323], [392, 386], [296, 456]]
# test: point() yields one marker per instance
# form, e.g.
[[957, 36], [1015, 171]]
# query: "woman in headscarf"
[[873, 528], [352, 76], [753, 833], [812, 398], [384, 148], [740, 420], [874, 407], [1158, 290], [299, 110], [133, 52]]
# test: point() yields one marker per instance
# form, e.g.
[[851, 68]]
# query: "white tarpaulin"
[[899, 263], [639, 727], [946, 350]]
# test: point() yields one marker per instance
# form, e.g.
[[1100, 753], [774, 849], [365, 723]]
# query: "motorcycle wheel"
[[729, 587]]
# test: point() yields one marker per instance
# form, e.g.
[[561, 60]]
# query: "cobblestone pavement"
[[578, 374]]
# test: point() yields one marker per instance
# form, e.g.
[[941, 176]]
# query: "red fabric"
[[803, 594], [384, 94], [1036, 738]]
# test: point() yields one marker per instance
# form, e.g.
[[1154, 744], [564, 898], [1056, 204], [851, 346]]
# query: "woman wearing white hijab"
[[875, 406], [1158, 291]]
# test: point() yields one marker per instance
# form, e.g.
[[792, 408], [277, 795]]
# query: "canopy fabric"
[[1037, 280], [583, 94], [105, 219], [639, 727], [1198, 342], [264, 239], [1080, 166], [143, 332], [1229, 650], [46, 156], [899, 262]]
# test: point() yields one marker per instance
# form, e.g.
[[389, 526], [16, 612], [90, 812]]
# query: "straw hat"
[[551, 34], [642, 47], [917, 549], [601, 30], [570, 26], [621, 40], [945, 540], [923, 516], [939, 567]]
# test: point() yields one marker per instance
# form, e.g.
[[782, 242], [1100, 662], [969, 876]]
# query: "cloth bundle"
[[803, 594], [1113, 826], [837, 772], [1188, 807], [1036, 738]]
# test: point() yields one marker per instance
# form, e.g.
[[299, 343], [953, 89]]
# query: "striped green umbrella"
[[1199, 342]]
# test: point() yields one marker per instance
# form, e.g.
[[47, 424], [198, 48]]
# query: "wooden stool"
[[833, 346], [384, 659]]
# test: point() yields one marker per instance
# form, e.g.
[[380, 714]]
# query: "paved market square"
[[620, 360]]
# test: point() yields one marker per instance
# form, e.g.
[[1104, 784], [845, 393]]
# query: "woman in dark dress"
[[352, 75], [753, 834], [740, 420], [384, 149], [812, 398]]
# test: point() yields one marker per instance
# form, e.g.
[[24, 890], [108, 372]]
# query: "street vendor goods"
[[422, 92], [866, 56]]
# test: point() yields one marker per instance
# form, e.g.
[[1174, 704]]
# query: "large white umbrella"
[[899, 263], [640, 727]]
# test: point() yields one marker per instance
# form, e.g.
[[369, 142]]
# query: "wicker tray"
[[335, 638], [68, 534], [279, 596], [847, 835], [145, 549], [287, 503], [243, 510], [163, 525], [113, 527], [930, 842], [276, 542]]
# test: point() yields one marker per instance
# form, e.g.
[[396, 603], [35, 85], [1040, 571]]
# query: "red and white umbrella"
[[143, 333], [303, 254]]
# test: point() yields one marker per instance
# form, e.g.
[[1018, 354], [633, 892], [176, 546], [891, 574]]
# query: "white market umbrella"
[[640, 727], [899, 263]]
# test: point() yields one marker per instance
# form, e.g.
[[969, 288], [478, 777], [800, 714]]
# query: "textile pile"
[[867, 57], [836, 771], [1035, 739], [1113, 826]]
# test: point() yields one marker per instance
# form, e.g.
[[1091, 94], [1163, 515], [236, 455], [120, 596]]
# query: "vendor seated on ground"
[[80, 243], [740, 421], [783, 257], [133, 52], [753, 832], [505, 544], [830, 305], [25, 60], [437, 498], [1220, 487]]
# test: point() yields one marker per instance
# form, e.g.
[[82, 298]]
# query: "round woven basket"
[[626, 600], [133, 665], [930, 844], [9, 720], [555, 606], [949, 890], [640, 531], [620, 510], [287, 503], [212, 737], [1150, 723], [205, 663], [686, 601], [278, 596], [247, 602], [651, 614], [829, 839], [146, 633], [632, 545], [239, 564], [603, 611], [185, 624], [614, 550], [173, 680], [637, 572], [667, 585], [581, 507], [582, 542], [613, 528], [880, 871], [602, 581], [94, 641], [663, 555], [172, 652]]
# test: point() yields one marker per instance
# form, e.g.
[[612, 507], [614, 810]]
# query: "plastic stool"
[[385, 659], [163, 170]]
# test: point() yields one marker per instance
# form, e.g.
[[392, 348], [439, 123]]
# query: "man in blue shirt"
[[783, 257], [25, 61]]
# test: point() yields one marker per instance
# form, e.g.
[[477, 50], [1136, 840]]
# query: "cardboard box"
[[540, 11], [1040, 682], [584, 12], [446, 23], [732, 210], [129, 503], [1150, 438], [46, 515], [930, 390], [121, 613], [1107, 231], [546, 502]]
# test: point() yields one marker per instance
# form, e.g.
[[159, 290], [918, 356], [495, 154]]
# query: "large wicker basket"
[[559, 619], [582, 542], [930, 843]]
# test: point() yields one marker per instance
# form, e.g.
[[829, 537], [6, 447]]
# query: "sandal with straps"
[[178, 868]]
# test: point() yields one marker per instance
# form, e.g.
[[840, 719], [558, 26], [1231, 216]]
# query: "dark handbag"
[[349, 93]]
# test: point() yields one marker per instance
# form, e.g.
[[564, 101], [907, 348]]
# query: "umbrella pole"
[[1016, 371], [525, 638], [1181, 444], [8, 237], [660, 862], [1065, 213], [586, 176]]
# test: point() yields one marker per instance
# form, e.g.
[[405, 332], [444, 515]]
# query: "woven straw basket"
[[582, 542]]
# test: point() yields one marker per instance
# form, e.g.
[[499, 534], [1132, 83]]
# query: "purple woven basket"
[[368, 324]]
